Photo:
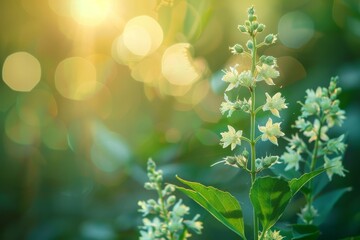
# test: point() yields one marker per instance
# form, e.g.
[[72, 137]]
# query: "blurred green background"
[[91, 89]]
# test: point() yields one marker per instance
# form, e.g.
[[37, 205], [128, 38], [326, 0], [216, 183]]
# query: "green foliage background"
[[89, 187]]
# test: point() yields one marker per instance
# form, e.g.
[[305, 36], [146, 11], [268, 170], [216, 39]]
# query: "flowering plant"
[[270, 195]]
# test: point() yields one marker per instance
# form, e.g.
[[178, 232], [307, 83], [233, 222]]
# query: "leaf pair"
[[269, 197]]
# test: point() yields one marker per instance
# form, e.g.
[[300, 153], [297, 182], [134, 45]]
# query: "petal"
[[275, 112], [261, 128], [273, 139], [269, 81]]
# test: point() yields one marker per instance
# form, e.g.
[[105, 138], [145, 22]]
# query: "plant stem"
[[252, 135], [163, 208], [313, 165]]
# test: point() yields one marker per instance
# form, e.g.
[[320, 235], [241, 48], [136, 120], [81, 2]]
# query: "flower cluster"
[[168, 214], [320, 113], [271, 235], [263, 69]]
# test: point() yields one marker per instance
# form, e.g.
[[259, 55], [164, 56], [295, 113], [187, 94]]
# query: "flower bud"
[[251, 11], [230, 160], [157, 208], [151, 165], [260, 28], [149, 186], [169, 189], [242, 28], [250, 45], [270, 160], [252, 18], [171, 200], [247, 23], [255, 25], [236, 49], [159, 178], [245, 153], [241, 161], [270, 39]]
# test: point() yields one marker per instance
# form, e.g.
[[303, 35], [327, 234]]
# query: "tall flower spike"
[[271, 131]]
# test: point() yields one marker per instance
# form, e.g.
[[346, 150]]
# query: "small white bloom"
[[227, 106], [271, 131], [313, 133], [194, 225], [334, 167], [231, 137], [267, 73], [274, 104], [232, 77], [246, 79], [291, 158]]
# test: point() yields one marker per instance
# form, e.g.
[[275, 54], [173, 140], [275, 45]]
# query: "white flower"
[[231, 77], [246, 79], [227, 106], [231, 137], [267, 73], [194, 225], [291, 158], [334, 166], [271, 131], [274, 104], [313, 133]]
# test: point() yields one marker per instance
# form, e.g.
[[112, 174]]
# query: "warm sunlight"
[[90, 12]]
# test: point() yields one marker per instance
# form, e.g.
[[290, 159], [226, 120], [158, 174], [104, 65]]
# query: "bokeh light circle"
[[295, 29], [21, 71], [177, 65], [75, 78], [142, 35]]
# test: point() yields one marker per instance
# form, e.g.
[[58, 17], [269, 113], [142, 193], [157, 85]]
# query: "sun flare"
[[91, 12]]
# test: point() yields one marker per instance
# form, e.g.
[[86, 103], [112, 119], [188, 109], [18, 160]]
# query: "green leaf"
[[297, 183], [269, 197], [222, 205], [326, 202], [305, 232]]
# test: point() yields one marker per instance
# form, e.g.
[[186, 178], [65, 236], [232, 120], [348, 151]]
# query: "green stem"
[[163, 209], [313, 165], [252, 136]]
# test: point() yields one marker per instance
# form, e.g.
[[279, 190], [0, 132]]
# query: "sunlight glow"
[[90, 12]]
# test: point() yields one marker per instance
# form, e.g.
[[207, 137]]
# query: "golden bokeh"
[[21, 71], [142, 35], [177, 66], [75, 78]]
